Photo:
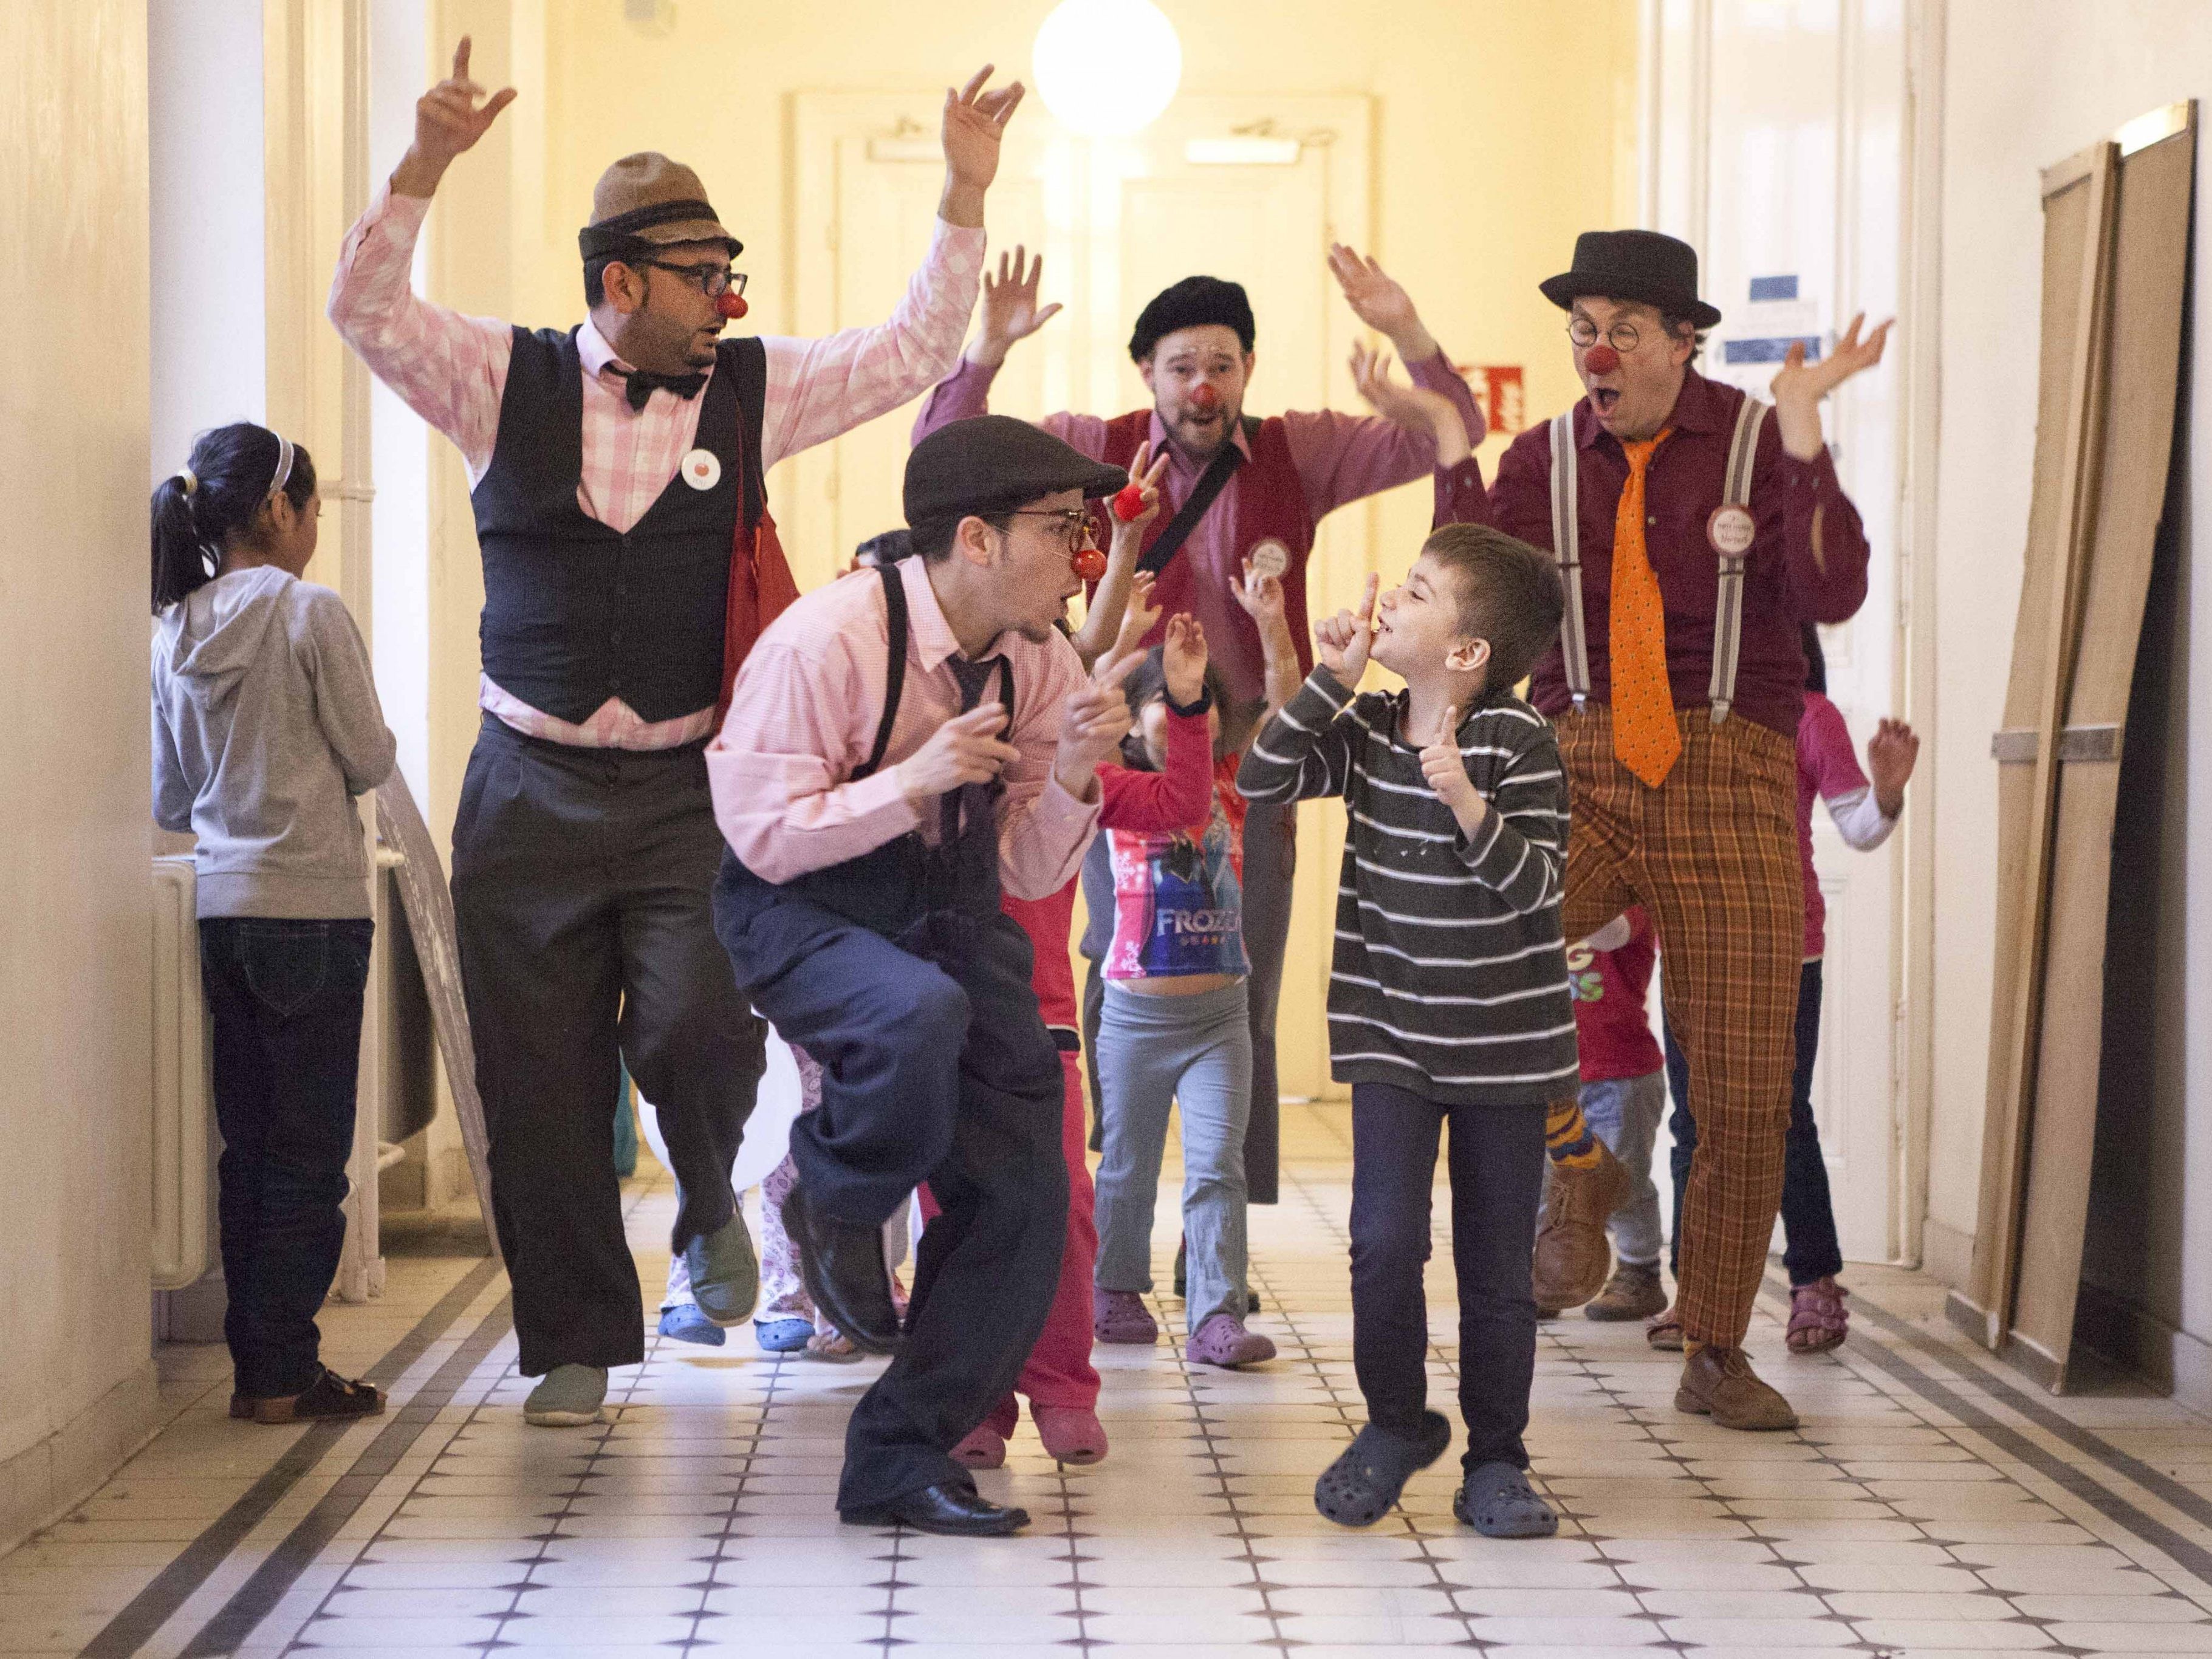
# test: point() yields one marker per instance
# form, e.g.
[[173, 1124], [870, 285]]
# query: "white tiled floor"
[[1931, 1504]]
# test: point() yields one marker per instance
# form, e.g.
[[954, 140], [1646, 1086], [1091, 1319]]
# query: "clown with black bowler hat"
[[1270, 482], [616, 475], [900, 744], [1697, 530]]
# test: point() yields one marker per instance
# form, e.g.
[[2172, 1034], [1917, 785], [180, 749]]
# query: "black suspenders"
[[896, 630]]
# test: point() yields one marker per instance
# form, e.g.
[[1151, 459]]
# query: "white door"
[[1252, 188], [1774, 138]]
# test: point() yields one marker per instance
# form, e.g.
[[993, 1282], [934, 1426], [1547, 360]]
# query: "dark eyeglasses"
[[713, 281], [1621, 337], [1075, 523]]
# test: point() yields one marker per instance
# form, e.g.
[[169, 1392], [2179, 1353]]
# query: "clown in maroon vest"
[[1193, 345]]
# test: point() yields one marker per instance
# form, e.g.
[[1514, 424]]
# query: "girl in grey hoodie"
[[266, 726]]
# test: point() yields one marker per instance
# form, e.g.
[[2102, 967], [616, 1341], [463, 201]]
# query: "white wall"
[[76, 1381], [209, 313], [2029, 83]]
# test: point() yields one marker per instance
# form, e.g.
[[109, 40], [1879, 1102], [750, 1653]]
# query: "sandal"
[[1664, 1330], [1499, 1502], [1360, 1487], [1818, 1321], [833, 1346], [328, 1396]]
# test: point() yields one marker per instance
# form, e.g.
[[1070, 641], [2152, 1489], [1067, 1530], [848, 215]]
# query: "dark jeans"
[[936, 1067], [1496, 1165], [582, 880], [1271, 847], [1808, 1218], [285, 998]]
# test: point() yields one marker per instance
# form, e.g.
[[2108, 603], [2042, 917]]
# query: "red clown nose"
[[1204, 398], [732, 304], [1128, 501], [1090, 564], [1601, 359]]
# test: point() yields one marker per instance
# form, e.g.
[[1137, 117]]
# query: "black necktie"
[[643, 382], [973, 677]]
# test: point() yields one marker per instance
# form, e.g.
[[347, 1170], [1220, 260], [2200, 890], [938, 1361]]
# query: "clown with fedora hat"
[[1239, 490], [1697, 530], [617, 471]]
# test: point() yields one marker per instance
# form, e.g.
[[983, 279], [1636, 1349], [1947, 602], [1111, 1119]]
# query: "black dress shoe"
[[956, 1511], [843, 1269]]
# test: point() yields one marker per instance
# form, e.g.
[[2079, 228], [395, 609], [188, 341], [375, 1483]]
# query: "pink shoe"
[[1223, 1340], [1071, 1435], [1817, 1320], [1120, 1316], [985, 1448]]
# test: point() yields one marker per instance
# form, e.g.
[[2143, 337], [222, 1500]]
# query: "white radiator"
[[183, 1114]]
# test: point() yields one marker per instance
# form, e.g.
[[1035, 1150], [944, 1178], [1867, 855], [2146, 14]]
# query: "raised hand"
[[1445, 769], [448, 119], [1798, 387], [1182, 659], [1261, 598], [966, 748], [1096, 720], [1341, 641], [1892, 753], [1009, 312], [1415, 408], [975, 121], [1146, 476], [1379, 300], [1137, 617]]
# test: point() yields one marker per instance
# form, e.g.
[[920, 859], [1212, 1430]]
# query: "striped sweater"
[[1450, 974]]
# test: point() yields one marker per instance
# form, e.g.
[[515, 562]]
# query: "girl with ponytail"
[[266, 726]]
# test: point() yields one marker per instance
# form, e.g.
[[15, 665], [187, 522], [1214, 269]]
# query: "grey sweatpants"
[[1153, 1051]]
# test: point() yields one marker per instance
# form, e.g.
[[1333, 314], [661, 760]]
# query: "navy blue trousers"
[[1808, 1216], [936, 1068]]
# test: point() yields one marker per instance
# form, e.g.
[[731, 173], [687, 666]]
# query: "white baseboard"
[[1946, 1253], [41, 1483]]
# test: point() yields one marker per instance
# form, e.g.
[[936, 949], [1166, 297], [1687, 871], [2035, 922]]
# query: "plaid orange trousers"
[[1711, 855]]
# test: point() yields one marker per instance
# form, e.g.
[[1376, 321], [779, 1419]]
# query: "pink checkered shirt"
[[452, 370], [804, 719]]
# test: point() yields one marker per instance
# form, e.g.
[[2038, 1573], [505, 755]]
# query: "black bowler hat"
[[1634, 264], [993, 464]]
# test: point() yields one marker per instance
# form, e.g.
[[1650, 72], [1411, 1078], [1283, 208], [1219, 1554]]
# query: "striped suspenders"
[[1567, 547]]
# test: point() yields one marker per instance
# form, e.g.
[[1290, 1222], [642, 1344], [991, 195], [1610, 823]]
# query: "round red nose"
[[1128, 501], [1090, 564], [1205, 398], [1600, 360], [732, 305]]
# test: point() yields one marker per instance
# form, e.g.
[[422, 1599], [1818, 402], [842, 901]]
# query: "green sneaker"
[[568, 1397], [724, 1272]]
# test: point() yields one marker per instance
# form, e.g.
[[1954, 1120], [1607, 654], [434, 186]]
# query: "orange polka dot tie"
[[1644, 737]]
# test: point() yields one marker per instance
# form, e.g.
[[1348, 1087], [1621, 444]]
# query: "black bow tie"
[[643, 382]]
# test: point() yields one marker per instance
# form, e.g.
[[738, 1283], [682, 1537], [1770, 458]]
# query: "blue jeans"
[[1625, 1114], [1808, 1216], [285, 998], [1154, 1051]]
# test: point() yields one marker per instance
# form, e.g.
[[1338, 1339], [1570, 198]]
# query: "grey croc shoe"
[[568, 1397], [1499, 1502], [1358, 1489]]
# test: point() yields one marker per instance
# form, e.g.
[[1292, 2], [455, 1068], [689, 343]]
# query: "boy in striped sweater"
[[1449, 999]]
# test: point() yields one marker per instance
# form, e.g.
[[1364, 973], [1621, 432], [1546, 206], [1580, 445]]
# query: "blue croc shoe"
[[782, 1335], [685, 1324]]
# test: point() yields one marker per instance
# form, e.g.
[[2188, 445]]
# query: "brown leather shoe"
[[1632, 1292], [1572, 1255], [1719, 1383]]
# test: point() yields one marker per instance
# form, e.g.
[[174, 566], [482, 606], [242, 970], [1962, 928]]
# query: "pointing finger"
[[461, 59], [967, 93], [1367, 599]]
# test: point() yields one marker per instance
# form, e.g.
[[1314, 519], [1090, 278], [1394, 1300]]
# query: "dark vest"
[[576, 613], [1269, 501]]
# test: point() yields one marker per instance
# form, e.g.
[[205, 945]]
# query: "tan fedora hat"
[[647, 198]]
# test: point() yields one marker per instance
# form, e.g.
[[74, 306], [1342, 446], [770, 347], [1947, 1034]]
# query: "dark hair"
[[595, 279], [1509, 594], [233, 469], [595, 267], [1148, 683], [934, 541], [1816, 661], [1675, 322]]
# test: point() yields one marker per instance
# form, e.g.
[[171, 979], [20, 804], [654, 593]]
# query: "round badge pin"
[[1731, 530], [1271, 558], [701, 470]]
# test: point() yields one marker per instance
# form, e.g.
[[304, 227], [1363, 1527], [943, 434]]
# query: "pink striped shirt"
[[808, 702], [452, 371]]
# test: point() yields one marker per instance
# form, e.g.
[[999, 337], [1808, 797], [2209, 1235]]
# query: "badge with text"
[[1731, 530], [1271, 558], [700, 470]]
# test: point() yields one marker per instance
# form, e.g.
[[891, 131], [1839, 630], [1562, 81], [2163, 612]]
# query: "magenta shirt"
[[1827, 770]]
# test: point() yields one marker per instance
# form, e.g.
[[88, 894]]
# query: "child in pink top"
[[1864, 811]]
